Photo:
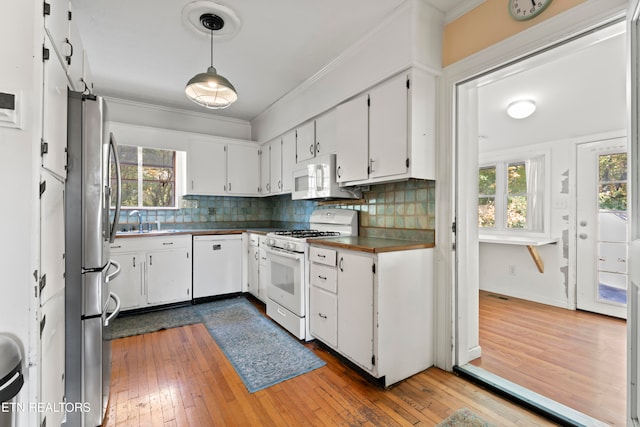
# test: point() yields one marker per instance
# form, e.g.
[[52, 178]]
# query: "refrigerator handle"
[[116, 217], [116, 273], [115, 312]]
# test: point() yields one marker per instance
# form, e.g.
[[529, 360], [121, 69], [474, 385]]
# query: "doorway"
[[554, 132], [602, 227]]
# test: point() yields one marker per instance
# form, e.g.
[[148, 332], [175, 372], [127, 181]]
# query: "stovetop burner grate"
[[303, 234]]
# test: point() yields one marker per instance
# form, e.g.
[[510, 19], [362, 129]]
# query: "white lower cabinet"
[[52, 357], [129, 285], [155, 270], [375, 309], [168, 275], [257, 267]]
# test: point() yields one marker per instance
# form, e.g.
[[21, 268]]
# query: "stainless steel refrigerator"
[[89, 231]]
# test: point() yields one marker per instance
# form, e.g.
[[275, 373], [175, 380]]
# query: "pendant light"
[[210, 89]]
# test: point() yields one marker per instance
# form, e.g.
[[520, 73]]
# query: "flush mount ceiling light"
[[521, 108], [210, 89]]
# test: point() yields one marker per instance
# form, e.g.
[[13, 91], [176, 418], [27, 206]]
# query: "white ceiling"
[[143, 51], [579, 89]]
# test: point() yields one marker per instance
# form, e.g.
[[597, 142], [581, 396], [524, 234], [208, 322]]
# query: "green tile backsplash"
[[402, 210]]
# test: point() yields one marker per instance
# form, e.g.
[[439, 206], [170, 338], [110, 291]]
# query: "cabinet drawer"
[[254, 240], [324, 314], [324, 277], [322, 256]]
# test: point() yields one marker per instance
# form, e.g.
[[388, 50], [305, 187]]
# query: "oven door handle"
[[284, 254]]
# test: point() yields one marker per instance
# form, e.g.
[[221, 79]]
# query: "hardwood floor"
[[180, 377], [573, 357]]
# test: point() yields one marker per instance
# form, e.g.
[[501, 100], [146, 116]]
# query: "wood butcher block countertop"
[[371, 244]]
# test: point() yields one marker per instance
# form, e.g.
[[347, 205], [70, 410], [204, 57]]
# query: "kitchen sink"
[[145, 233]]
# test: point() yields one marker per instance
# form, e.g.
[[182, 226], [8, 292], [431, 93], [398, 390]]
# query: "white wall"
[[154, 116], [20, 72], [509, 269], [411, 36]]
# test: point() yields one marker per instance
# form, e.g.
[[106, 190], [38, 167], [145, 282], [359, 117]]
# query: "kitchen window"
[[150, 177], [511, 196]]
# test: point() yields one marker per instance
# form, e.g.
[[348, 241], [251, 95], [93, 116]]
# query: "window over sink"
[[151, 177]]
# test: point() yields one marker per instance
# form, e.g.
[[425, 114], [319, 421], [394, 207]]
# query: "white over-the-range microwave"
[[316, 179]]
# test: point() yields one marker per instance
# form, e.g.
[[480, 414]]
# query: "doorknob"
[[582, 236]]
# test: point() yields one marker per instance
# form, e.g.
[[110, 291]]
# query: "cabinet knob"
[[338, 171], [340, 264], [322, 315], [318, 147], [311, 149]]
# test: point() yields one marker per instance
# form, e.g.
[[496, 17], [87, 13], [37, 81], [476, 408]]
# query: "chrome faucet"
[[137, 212]]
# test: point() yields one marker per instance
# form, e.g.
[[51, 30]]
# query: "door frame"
[[456, 336], [633, 149]]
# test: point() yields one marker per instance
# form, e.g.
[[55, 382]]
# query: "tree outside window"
[[510, 195], [148, 177]]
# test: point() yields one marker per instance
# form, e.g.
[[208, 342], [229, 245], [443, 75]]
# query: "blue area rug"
[[612, 294], [261, 352]]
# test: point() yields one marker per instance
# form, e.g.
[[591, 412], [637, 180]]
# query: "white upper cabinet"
[[316, 137], [326, 133], [206, 167], [265, 169], [276, 166], [56, 24], [305, 141], [288, 160], [243, 169], [78, 62], [388, 133], [54, 130], [352, 131], [217, 168], [388, 122]]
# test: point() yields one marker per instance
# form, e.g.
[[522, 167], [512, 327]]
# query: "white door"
[[305, 141], [243, 169], [54, 123], [52, 247], [352, 129], [288, 160], [206, 167], [388, 128], [168, 276], [633, 316], [355, 308], [129, 284], [276, 166], [602, 227]]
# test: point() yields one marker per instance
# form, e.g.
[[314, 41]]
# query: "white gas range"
[[288, 267]]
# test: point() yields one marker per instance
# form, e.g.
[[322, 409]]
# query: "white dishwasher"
[[217, 265]]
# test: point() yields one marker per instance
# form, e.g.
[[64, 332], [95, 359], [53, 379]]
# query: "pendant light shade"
[[210, 89]]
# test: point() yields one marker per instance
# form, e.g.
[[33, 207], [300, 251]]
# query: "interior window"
[[510, 195]]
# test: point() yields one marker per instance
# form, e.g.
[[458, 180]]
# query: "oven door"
[[285, 284]]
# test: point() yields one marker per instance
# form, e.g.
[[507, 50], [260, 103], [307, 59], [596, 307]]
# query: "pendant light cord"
[[212, 48]]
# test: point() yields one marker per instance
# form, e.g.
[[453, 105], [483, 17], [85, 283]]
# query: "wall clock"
[[527, 9]]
